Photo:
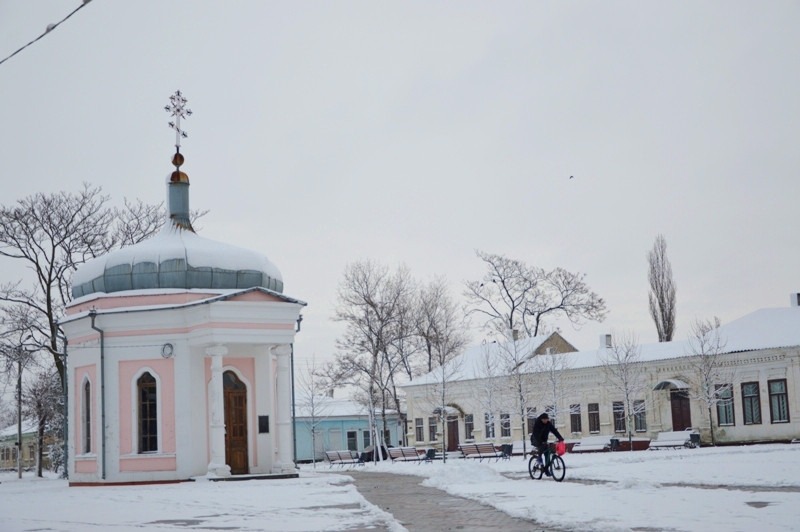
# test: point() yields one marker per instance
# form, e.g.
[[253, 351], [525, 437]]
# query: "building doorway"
[[452, 433], [681, 411], [235, 423]]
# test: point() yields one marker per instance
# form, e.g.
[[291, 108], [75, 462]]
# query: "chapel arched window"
[[87, 418], [147, 395]]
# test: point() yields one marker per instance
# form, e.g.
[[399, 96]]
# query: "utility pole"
[[19, 413]]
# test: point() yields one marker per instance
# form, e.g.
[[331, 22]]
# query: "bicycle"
[[552, 463]]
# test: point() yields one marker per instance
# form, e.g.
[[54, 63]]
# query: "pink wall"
[[247, 368], [85, 466], [151, 463], [183, 330], [164, 370], [80, 373]]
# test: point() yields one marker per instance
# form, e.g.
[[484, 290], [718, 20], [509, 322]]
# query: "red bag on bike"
[[561, 448]]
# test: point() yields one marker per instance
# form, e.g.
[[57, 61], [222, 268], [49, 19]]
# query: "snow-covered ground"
[[310, 503], [743, 489], [731, 489]]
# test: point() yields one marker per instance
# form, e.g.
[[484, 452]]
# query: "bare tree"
[[438, 315], [53, 234], [514, 296], [42, 402], [370, 302], [315, 404], [491, 386], [625, 377], [554, 388], [663, 290], [445, 339], [522, 383], [711, 380]]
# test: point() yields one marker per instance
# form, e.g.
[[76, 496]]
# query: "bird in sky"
[[571, 176]]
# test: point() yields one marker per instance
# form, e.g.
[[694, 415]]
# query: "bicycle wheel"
[[535, 468], [558, 468]]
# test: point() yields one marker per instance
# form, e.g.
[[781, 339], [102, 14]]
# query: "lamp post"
[[19, 412]]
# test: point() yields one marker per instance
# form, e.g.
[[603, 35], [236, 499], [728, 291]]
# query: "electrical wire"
[[50, 28]]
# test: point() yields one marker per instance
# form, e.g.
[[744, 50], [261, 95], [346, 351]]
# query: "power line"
[[50, 27]]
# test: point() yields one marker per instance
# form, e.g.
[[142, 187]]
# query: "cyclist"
[[542, 428]]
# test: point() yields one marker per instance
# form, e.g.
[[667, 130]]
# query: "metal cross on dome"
[[177, 107]]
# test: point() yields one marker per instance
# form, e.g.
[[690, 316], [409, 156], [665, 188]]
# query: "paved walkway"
[[423, 509]]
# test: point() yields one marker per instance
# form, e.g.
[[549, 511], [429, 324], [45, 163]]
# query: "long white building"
[[761, 361]]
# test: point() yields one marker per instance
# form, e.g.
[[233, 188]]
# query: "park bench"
[[343, 458], [676, 439], [592, 444], [480, 451], [408, 454]]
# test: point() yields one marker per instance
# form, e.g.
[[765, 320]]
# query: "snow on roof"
[[470, 361], [172, 251], [28, 426], [225, 294], [332, 407], [768, 328]]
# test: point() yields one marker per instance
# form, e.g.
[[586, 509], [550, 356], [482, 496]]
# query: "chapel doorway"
[[681, 412], [235, 423], [452, 433]]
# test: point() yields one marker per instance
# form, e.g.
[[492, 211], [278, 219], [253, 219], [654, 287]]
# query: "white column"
[[283, 425], [216, 403]]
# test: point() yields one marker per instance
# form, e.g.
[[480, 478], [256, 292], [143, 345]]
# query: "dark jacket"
[[542, 430]]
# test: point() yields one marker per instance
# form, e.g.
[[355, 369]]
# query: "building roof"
[[469, 364], [176, 258], [330, 407], [768, 328], [28, 426]]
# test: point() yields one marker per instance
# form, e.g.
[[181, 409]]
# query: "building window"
[[352, 440], [419, 428], [31, 452], [505, 425], [87, 418], [531, 418], [469, 427], [575, 418], [619, 416], [387, 437], [488, 420], [431, 429], [365, 437], [778, 401], [639, 416], [752, 403], [14, 454], [148, 413], [725, 405], [594, 418], [551, 413]]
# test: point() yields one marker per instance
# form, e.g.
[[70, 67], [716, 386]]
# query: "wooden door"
[[681, 412], [235, 424], [452, 433]]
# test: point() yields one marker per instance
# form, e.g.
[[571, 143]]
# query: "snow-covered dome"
[[176, 257]]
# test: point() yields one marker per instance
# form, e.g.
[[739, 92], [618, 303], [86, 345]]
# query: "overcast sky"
[[418, 132]]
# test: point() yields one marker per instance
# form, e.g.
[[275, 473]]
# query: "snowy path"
[[731, 489], [422, 509]]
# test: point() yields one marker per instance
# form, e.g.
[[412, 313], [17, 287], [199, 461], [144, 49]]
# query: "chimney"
[[794, 299], [515, 334], [330, 393], [605, 341]]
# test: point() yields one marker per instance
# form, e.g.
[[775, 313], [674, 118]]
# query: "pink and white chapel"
[[180, 353]]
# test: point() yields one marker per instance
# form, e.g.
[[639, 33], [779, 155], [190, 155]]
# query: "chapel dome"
[[176, 257]]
